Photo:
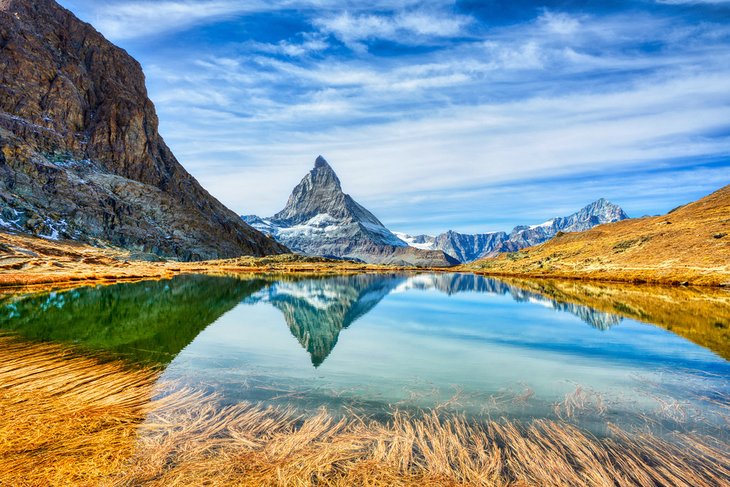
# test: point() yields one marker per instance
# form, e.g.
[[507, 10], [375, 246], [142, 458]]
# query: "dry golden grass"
[[702, 315], [32, 262], [69, 420], [690, 244]]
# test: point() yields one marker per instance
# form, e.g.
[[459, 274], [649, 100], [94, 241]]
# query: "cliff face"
[[81, 155]]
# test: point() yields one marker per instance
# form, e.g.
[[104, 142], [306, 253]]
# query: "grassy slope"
[[690, 244]]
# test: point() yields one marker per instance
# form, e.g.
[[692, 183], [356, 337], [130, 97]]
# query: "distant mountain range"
[[320, 219], [470, 247]]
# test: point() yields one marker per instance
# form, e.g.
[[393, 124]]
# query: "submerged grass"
[[73, 420]]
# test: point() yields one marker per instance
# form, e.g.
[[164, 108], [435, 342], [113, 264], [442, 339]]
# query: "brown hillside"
[[688, 245]]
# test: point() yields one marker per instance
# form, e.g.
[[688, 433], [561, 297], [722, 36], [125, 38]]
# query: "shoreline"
[[28, 262], [712, 281]]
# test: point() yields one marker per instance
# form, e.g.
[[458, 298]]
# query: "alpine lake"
[[370, 344]]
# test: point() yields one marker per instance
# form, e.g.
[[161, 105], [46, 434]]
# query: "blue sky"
[[467, 115]]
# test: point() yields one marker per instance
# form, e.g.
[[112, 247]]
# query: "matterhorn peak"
[[320, 219], [321, 162]]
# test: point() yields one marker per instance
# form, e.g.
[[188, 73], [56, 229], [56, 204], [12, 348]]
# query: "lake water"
[[371, 343]]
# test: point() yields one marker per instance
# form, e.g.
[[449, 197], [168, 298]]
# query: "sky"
[[473, 116]]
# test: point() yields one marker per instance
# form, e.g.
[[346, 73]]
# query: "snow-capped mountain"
[[468, 247], [320, 219]]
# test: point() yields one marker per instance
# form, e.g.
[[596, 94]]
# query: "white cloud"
[[559, 23], [309, 43], [405, 27], [123, 20], [129, 20]]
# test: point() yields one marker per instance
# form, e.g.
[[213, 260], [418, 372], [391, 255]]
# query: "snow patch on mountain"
[[423, 242], [543, 225]]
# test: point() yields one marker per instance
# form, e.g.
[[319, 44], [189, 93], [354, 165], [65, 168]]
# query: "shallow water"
[[369, 343]]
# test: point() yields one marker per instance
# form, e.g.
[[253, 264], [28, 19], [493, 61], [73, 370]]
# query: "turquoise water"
[[371, 343]]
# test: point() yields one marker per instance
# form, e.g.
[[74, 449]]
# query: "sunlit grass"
[[71, 420]]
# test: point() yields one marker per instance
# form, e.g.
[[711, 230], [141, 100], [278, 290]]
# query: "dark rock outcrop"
[[81, 156]]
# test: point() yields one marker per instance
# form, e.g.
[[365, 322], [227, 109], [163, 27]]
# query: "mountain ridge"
[[689, 245], [470, 247]]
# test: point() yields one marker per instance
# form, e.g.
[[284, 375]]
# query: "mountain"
[[468, 248], [80, 154], [320, 219], [690, 244], [465, 247]]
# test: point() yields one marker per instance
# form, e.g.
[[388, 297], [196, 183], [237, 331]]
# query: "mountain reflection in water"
[[148, 322], [317, 310], [152, 321]]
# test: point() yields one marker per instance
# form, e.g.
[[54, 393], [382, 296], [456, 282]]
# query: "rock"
[[80, 154], [146, 257]]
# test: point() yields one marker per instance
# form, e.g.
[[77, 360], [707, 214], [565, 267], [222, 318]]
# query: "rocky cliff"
[[320, 219], [81, 157]]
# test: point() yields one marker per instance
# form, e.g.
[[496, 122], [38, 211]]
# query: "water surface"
[[369, 343]]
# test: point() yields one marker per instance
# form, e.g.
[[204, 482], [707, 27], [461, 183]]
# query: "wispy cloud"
[[308, 44], [126, 20], [470, 146], [121, 19], [403, 27]]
